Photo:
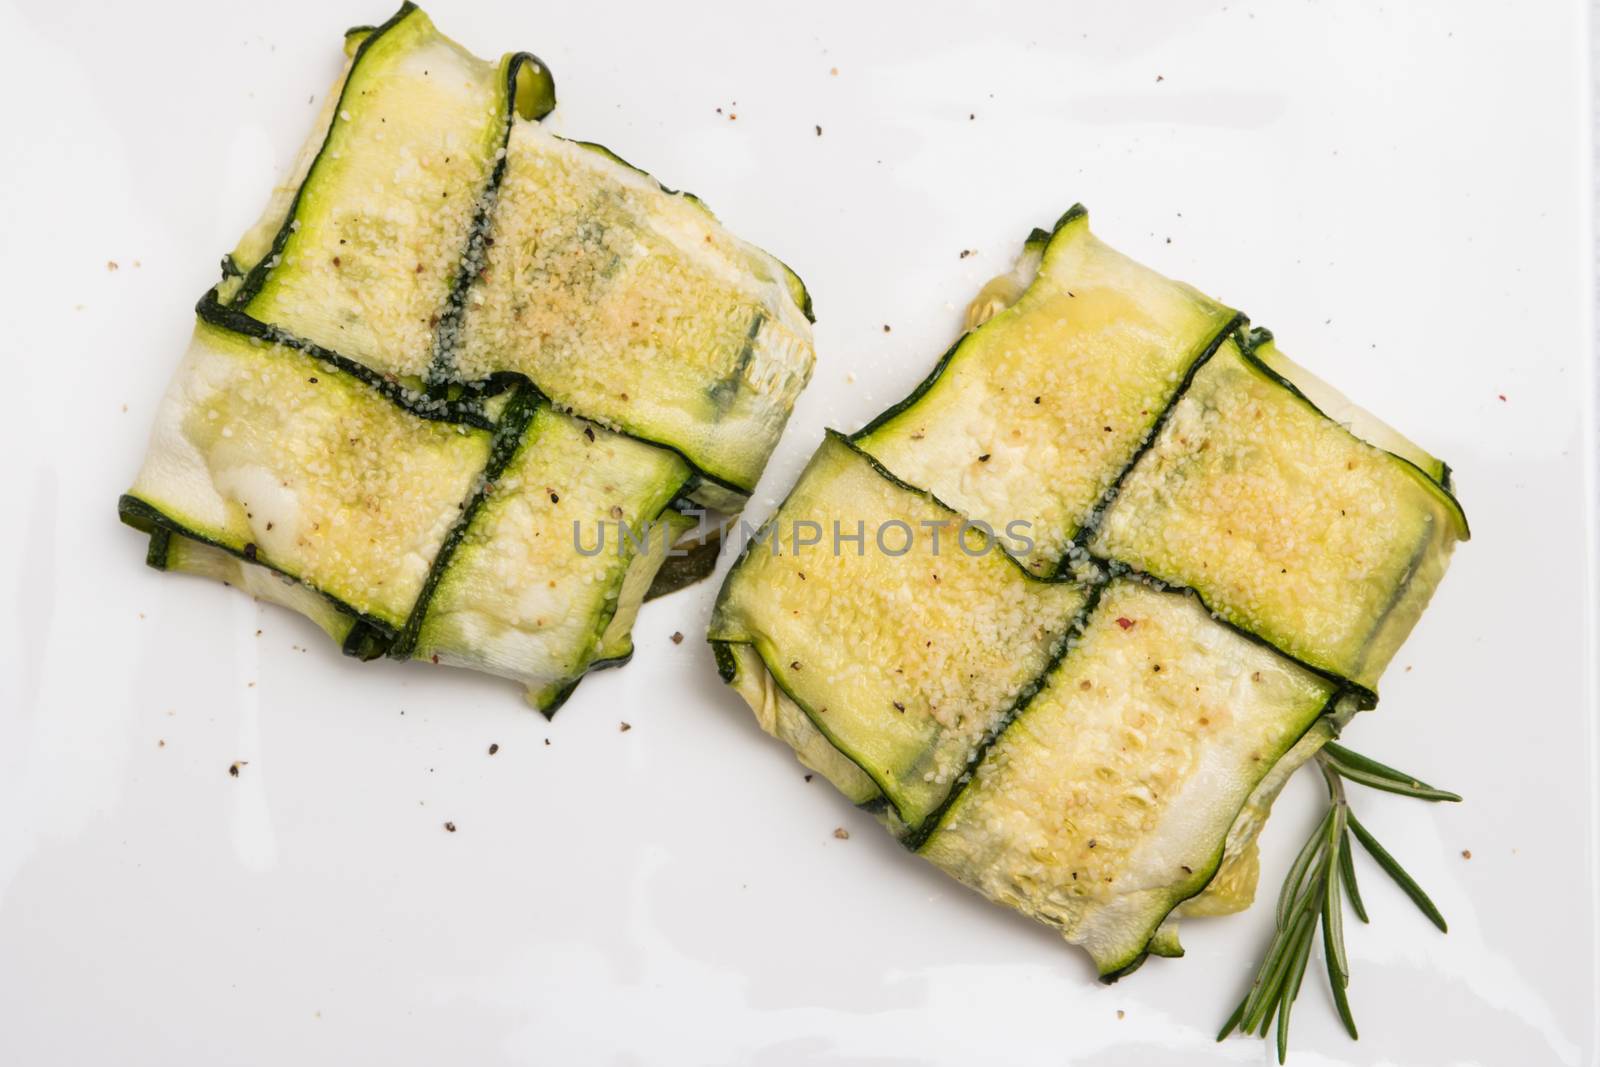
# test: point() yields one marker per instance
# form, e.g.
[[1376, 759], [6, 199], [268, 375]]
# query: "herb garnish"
[[1313, 894]]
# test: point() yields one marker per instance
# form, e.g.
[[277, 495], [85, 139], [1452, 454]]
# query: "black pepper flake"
[[984, 458], [794, 665], [588, 431], [899, 707], [555, 499], [233, 769], [250, 551], [313, 381], [809, 777], [493, 748], [677, 637], [819, 131], [624, 727], [886, 327], [450, 827]]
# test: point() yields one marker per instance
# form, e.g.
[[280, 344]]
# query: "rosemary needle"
[[1321, 878]]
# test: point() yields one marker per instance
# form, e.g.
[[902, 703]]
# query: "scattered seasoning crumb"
[[161, 743], [886, 327], [547, 742], [1159, 78], [1502, 398], [794, 665], [493, 748], [1466, 853], [124, 409], [809, 777], [1120, 1013], [965, 252], [233, 768], [841, 833], [450, 827], [624, 728], [677, 637], [984, 458], [834, 71], [971, 117], [898, 706], [819, 131], [732, 117], [111, 265], [1124, 622]]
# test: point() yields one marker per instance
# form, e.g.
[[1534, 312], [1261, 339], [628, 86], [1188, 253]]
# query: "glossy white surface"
[[1400, 191]]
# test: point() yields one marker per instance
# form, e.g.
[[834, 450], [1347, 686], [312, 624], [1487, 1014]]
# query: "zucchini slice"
[[1108, 801], [1344, 411], [911, 706], [1033, 415], [189, 556], [279, 459], [371, 246], [1287, 524], [632, 304], [552, 567]]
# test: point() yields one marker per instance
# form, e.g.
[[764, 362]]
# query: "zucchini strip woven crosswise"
[[384, 422], [1230, 563]]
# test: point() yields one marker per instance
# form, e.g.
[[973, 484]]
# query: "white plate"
[[1401, 194]]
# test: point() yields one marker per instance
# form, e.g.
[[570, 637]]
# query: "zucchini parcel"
[[1171, 576], [465, 385]]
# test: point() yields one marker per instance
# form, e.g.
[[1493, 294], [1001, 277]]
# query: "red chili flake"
[[434, 657], [1124, 622]]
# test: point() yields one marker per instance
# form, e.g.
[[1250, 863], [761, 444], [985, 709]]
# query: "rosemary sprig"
[[1321, 878]]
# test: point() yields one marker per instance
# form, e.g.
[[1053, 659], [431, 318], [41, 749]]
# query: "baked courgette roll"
[[465, 386], [1170, 576]]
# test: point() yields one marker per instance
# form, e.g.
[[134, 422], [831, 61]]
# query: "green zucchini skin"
[[680, 572]]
